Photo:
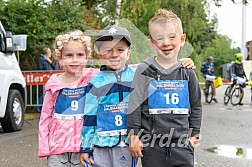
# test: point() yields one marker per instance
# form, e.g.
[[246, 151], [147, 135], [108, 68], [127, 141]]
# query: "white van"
[[13, 98]]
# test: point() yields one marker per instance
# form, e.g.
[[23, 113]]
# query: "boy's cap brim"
[[113, 32]]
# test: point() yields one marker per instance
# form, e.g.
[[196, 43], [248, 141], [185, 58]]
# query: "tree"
[[139, 12], [104, 12], [91, 3], [222, 53], [199, 28], [42, 22]]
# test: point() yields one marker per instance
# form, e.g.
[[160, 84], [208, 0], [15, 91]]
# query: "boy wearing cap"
[[104, 131]]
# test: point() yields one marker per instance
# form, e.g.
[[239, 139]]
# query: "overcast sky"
[[230, 20]]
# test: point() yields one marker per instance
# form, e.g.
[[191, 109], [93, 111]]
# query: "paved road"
[[19, 149], [225, 125], [222, 125]]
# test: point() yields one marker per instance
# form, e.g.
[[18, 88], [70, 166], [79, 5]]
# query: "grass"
[[31, 116]]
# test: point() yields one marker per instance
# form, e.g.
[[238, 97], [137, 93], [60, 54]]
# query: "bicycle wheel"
[[236, 96], [209, 92], [227, 95]]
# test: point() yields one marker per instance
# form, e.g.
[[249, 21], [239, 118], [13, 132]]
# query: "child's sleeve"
[[44, 124], [88, 135], [137, 97], [195, 104]]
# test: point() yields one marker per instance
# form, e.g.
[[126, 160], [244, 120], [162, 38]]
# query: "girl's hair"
[[162, 16], [61, 40]]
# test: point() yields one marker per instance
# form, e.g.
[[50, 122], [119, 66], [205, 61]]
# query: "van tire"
[[14, 115]]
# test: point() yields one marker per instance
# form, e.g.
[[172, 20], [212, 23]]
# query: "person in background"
[[237, 70], [55, 62], [45, 63], [207, 68]]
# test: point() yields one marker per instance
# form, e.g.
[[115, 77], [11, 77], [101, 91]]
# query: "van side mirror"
[[9, 43]]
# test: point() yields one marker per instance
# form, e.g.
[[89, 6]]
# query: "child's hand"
[[193, 141], [188, 63], [135, 146], [84, 157]]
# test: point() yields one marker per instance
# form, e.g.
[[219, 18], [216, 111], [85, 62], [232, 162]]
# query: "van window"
[[2, 42]]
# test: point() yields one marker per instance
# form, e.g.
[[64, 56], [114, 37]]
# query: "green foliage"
[[140, 48], [42, 22], [199, 30], [91, 3], [104, 12], [139, 12], [197, 59], [222, 53]]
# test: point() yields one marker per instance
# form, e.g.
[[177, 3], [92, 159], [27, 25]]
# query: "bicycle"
[[227, 94], [209, 88], [234, 94]]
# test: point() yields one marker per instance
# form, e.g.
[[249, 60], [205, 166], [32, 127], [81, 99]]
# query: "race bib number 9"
[[168, 96], [70, 101], [112, 119]]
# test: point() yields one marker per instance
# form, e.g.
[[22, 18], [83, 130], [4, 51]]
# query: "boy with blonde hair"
[[165, 105]]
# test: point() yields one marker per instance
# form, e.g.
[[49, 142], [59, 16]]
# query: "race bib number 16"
[[168, 94]]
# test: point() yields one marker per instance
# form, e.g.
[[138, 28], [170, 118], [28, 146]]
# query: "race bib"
[[168, 97], [112, 119], [70, 102]]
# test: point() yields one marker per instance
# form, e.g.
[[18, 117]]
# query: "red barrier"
[[37, 77]]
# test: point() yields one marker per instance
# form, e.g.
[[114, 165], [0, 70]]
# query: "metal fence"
[[34, 94], [35, 81]]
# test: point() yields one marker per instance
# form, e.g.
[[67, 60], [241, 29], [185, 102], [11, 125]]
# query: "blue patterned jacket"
[[107, 87]]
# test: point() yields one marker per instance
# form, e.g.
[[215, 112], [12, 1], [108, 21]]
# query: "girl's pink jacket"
[[58, 136]]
